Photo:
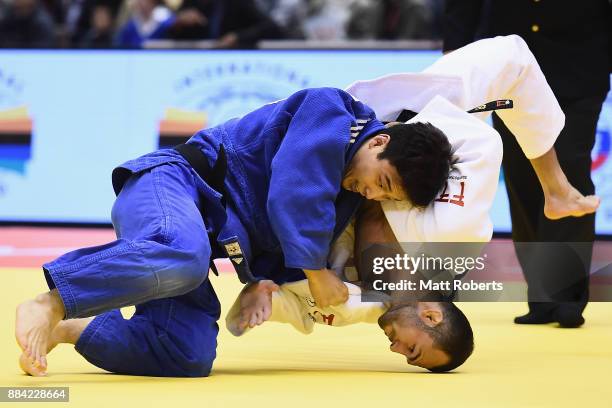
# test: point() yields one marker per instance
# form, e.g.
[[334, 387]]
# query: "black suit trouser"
[[555, 256]]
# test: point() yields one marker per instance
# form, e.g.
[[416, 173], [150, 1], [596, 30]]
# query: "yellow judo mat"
[[274, 366]]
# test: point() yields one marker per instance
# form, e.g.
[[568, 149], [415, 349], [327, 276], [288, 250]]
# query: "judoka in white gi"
[[437, 335]]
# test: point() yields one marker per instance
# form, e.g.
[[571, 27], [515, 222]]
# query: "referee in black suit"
[[572, 42]]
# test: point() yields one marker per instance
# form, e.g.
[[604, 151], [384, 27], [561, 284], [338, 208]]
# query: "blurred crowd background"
[[223, 23]]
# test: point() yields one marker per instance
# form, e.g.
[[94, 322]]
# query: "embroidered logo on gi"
[[233, 249], [325, 319], [238, 259], [493, 105], [456, 199]]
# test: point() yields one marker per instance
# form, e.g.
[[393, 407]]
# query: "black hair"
[[422, 155], [453, 335]]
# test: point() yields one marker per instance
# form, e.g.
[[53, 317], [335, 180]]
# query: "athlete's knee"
[[190, 358], [195, 267], [199, 368], [184, 270]]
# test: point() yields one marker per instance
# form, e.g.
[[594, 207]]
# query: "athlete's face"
[[371, 177], [408, 337]]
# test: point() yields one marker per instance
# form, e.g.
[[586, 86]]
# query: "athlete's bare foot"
[[570, 203], [35, 322], [256, 303], [66, 331], [28, 365]]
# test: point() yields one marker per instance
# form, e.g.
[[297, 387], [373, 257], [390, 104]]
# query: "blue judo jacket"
[[285, 164]]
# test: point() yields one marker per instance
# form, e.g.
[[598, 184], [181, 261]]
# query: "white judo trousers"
[[486, 70]]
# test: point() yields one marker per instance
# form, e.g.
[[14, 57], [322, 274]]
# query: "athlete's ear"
[[431, 317], [379, 140]]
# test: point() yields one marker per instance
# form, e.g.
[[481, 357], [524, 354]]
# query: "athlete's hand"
[[326, 288]]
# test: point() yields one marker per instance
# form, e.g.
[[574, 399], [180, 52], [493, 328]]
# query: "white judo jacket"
[[486, 70]]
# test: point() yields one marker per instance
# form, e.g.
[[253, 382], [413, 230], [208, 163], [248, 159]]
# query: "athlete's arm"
[[326, 288], [306, 178]]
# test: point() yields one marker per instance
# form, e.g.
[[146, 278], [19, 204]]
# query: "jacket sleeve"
[[306, 177], [504, 67], [489, 69], [342, 249]]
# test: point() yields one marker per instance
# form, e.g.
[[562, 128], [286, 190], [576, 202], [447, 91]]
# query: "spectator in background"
[[391, 20], [149, 20], [26, 24], [73, 12], [572, 43], [101, 30], [232, 23], [287, 14], [89, 22], [56, 10], [326, 19]]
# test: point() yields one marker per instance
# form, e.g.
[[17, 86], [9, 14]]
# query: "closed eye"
[[416, 358], [388, 183]]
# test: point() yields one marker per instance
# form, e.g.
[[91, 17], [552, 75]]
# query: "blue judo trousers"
[[284, 207]]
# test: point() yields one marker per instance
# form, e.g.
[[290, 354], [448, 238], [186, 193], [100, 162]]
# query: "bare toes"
[[253, 321], [267, 312], [28, 366]]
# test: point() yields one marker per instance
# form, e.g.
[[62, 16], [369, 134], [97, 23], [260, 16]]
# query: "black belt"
[[213, 176], [406, 114]]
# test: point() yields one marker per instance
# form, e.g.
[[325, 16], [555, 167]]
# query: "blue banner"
[[68, 117]]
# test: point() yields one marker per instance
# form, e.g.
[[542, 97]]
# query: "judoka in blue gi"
[[271, 190]]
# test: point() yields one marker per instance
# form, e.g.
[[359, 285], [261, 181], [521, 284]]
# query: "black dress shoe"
[[568, 317], [535, 318]]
